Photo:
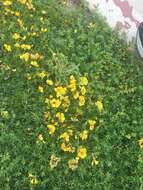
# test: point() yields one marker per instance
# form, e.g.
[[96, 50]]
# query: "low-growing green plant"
[[71, 104]]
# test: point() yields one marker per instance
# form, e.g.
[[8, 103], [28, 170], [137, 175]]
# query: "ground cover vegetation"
[[71, 101]]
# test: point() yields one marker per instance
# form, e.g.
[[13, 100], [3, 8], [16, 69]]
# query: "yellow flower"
[[54, 161], [22, 1], [41, 74], [65, 136], [17, 45], [36, 56], [67, 148], [40, 139], [47, 101], [26, 46], [70, 132], [30, 175], [72, 84], [83, 81], [7, 3], [74, 119], [43, 29], [49, 82], [20, 22], [83, 135], [5, 114], [29, 4], [91, 124], [7, 10], [61, 117], [12, 12], [91, 25], [66, 102], [94, 161], [33, 34], [60, 91], [41, 18], [33, 179], [47, 115], [83, 90], [79, 111], [51, 128], [72, 79], [25, 56], [17, 13], [28, 76], [24, 38], [76, 95], [141, 143], [16, 36], [34, 63], [55, 103], [73, 164], [40, 89], [81, 100], [72, 87], [82, 152], [99, 105], [7, 47]]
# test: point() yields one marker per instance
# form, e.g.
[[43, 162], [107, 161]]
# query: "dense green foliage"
[[74, 43]]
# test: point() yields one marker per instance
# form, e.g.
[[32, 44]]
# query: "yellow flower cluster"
[[33, 57], [62, 122], [67, 147]]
